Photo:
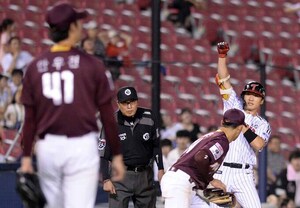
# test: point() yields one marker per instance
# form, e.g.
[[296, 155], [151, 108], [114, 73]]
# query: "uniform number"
[[59, 86]]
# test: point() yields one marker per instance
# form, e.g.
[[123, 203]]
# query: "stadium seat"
[[253, 8], [236, 8], [169, 39], [247, 46], [248, 25], [213, 28]]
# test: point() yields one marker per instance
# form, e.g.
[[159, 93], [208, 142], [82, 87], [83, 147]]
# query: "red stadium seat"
[[213, 28], [249, 26], [254, 9], [247, 46]]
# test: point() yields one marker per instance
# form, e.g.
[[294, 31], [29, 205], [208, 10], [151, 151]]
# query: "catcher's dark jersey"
[[66, 88], [215, 145]]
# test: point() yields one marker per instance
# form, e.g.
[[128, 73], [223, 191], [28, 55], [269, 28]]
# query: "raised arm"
[[223, 77], [223, 74]]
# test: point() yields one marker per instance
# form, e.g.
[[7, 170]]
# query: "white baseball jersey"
[[240, 150], [241, 181]]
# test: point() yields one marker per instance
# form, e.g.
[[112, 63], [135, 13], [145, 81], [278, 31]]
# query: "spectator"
[[186, 120], [287, 203], [289, 179], [16, 80], [14, 114], [5, 96], [2, 152], [88, 46], [166, 147], [92, 35], [15, 58], [276, 161], [169, 128], [272, 201], [183, 140], [6, 31], [293, 8], [181, 12], [117, 51]]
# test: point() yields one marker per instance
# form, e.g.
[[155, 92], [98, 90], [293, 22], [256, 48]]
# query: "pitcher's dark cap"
[[234, 117], [127, 93], [62, 14]]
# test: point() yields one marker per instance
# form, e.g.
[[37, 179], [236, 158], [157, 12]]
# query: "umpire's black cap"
[[63, 14], [126, 93], [234, 117]]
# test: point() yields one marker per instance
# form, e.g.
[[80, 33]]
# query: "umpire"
[[138, 133]]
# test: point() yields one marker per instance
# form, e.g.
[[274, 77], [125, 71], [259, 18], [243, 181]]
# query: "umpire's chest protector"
[[137, 135]]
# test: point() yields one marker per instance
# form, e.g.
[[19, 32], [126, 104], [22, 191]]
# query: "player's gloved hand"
[[218, 184], [223, 48], [29, 189], [219, 197]]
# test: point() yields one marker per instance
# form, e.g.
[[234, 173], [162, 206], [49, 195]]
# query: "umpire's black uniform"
[[139, 145]]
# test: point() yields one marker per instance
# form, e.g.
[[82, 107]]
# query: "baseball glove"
[[219, 197], [28, 188]]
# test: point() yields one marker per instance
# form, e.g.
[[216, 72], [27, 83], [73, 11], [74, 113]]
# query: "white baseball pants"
[[68, 170], [178, 192]]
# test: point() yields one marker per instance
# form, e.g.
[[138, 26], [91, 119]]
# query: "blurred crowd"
[[113, 46]]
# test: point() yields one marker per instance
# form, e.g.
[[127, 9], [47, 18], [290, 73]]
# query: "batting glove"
[[223, 48]]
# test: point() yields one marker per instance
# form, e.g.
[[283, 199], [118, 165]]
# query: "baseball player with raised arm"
[[237, 169], [63, 90]]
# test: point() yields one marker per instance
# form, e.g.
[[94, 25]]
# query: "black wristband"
[[250, 135]]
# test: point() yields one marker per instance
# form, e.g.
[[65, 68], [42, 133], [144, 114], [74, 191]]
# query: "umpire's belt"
[[236, 165], [139, 168]]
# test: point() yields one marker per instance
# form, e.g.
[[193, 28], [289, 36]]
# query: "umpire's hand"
[[108, 186]]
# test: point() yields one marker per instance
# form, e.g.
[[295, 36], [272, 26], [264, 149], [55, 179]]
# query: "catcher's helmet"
[[254, 87], [28, 188]]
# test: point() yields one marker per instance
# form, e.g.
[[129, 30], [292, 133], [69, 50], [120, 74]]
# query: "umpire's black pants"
[[138, 186]]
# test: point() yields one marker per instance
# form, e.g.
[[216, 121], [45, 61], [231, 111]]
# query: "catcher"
[[194, 170]]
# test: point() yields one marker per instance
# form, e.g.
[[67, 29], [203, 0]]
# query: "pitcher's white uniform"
[[240, 181]]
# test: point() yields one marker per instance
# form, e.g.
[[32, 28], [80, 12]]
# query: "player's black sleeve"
[[157, 154]]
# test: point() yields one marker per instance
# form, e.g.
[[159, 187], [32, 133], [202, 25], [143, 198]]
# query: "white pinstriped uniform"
[[241, 181]]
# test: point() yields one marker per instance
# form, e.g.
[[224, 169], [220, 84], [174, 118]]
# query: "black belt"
[[139, 168], [236, 165]]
